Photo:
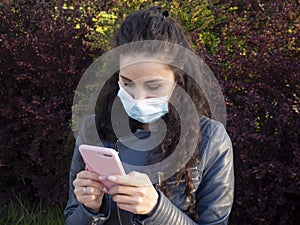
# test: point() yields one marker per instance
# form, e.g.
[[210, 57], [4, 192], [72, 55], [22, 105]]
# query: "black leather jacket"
[[213, 179]]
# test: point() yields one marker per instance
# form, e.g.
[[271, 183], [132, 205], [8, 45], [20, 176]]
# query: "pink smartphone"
[[104, 161]]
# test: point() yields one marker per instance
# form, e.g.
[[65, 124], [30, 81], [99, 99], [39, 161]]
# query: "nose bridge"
[[139, 92]]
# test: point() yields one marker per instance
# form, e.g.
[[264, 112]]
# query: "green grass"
[[23, 213]]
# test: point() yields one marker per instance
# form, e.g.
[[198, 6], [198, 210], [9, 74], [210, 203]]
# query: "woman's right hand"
[[89, 190]]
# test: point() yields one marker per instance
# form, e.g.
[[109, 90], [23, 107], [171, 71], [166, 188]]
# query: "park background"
[[252, 46]]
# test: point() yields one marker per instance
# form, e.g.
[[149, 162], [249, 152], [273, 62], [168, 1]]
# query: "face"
[[146, 79]]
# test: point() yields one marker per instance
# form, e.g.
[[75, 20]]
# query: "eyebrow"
[[125, 78], [149, 81]]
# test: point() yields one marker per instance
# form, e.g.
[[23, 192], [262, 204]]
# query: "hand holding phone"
[[103, 161]]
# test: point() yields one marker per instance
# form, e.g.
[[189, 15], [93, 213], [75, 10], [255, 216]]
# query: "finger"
[[126, 199], [81, 192], [87, 175], [127, 190], [92, 191], [87, 198], [92, 187], [132, 179], [88, 183]]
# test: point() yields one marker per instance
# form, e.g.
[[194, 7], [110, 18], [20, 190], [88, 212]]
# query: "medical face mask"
[[146, 110]]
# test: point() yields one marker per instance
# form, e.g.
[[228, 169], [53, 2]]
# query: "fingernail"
[[112, 178], [105, 190], [102, 177]]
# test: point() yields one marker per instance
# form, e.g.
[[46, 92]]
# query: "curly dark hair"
[[154, 24]]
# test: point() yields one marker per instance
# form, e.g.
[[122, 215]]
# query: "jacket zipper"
[[117, 145], [96, 219]]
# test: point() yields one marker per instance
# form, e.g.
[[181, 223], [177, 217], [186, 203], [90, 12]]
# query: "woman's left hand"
[[134, 192]]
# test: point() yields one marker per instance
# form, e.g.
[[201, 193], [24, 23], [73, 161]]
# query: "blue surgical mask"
[[145, 110]]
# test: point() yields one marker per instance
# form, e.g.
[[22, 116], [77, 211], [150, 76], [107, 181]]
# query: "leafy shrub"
[[257, 67], [43, 55], [252, 47]]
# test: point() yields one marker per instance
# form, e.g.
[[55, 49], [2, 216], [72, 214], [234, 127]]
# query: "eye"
[[128, 84], [153, 87]]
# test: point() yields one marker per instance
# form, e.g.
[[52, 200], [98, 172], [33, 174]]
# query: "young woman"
[[201, 190]]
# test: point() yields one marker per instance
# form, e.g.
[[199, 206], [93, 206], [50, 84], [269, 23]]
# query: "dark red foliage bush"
[[43, 56], [257, 64]]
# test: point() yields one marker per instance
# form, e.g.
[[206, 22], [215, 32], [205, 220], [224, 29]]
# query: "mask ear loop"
[[169, 95]]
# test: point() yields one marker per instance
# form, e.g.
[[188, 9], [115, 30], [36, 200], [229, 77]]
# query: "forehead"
[[138, 67]]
